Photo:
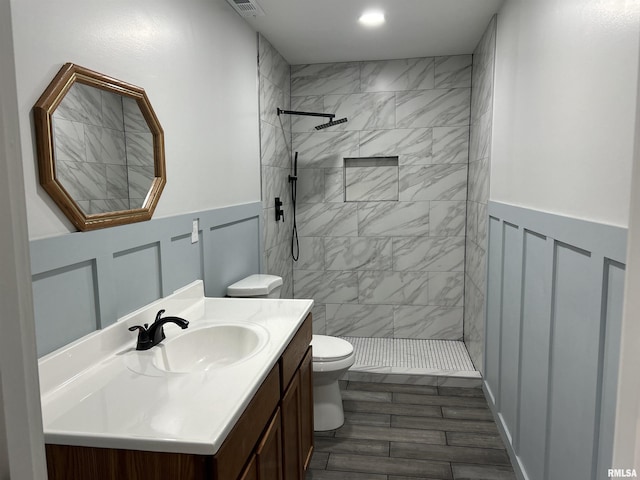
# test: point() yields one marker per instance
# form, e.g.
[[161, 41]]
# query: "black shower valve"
[[279, 212]]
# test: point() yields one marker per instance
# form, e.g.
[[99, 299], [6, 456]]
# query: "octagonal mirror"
[[100, 149]]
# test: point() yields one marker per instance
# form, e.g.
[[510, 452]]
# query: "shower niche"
[[371, 179]]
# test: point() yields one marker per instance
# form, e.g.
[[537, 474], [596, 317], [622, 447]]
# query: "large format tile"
[[327, 220], [446, 289], [272, 64], [308, 103], [447, 218], [393, 409], [273, 146], [482, 440], [392, 219], [359, 320], [319, 319], [463, 413], [433, 182], [450, 144], [430, 322], [385, 465], [271, 98], [311, 256], [351, 445], [370, 184], [453, 71], [412, 145], [397, 75], [443, 424], [325, 78], [310, 187], [433, 108], [434, 254], [446, 453], [326, 287], [393, 288], [357, 253], [451, 401], [482, 472], [334, 185], [372, 419], [364, 111], [392, 387], [324, 149], [339, 475], [391, 434]]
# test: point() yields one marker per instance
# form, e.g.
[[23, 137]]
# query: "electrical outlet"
[[194, 232]]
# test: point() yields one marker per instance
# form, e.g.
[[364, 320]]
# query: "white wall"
[[21, 440], [197, 62], [626, 452], [566, 75]]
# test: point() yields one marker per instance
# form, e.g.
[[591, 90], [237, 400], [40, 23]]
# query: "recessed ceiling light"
[[372, 18]]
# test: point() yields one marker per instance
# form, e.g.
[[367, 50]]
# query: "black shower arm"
[[308, 114]]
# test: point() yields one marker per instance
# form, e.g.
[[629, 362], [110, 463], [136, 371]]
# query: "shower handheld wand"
[[293, 180], [330, 116]]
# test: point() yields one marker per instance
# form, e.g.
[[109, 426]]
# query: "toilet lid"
[[330, 348]]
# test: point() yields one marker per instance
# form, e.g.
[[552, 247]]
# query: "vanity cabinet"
[[272, 440]]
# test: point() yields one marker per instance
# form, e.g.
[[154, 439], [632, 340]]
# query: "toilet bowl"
[[332, 356]]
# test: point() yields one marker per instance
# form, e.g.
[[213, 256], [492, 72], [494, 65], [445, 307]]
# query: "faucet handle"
[[159, 314], [144, 341]]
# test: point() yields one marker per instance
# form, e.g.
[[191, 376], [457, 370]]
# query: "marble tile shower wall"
[[104, 150], [390, 264], [275, 163], [477, 217]]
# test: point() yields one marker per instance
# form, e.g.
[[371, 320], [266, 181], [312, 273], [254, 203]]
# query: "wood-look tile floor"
[[402, 432]]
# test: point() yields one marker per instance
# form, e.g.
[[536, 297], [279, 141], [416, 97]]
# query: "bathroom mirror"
[[100, 149]]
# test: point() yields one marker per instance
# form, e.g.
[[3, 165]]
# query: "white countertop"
[[100, 392]]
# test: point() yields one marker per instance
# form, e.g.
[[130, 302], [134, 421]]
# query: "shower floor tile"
[[401, 356]]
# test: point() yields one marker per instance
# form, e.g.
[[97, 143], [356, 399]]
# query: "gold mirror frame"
[[44, 109]]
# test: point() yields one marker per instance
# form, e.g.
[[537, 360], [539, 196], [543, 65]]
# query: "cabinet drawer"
[[295, 352]]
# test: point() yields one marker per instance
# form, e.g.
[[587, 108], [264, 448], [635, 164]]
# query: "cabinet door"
[[269, 452], [291, 430], [251, 470], [306, 409]]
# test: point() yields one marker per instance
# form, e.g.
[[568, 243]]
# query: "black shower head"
[[331, 123]]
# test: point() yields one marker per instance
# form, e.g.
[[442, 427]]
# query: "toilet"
[[332, 356], [256, 286]]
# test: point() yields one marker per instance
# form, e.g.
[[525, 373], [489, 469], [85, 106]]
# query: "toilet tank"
[[256, 286]]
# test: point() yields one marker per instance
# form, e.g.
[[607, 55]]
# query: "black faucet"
[[150, 336]]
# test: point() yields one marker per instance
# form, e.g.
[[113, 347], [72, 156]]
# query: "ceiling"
[[320, 31]]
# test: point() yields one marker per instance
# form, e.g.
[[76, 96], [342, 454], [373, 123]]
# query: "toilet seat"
[[330, 349]]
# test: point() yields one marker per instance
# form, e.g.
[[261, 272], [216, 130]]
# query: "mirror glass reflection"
[[103, 150]]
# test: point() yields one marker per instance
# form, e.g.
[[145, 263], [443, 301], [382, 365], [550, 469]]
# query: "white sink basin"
[[211, 347]]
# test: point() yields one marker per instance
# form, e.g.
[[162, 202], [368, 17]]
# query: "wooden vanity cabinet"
[[272, 440], [297, 404]]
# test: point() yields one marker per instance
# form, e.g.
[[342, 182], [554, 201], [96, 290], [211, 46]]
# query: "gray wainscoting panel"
[[56, 323], [534, 352], [573, 382], [510, 331], [235, 241], [554, 307], [494, 313], [140, 280], [87, 280]]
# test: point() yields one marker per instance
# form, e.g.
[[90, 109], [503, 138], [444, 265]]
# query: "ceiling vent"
[[247, 8]]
